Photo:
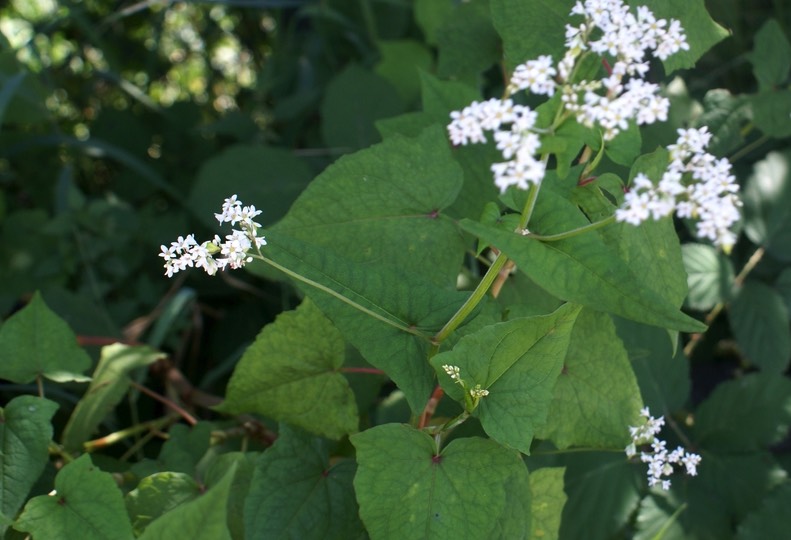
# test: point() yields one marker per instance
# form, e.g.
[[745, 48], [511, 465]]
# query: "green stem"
[[342, 298], [573, 232]]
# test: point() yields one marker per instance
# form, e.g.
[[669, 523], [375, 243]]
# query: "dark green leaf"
[[185, 447], [25, 434], [87, 506], [35, 342], [401, 63], [158, 494], [468, 44], [771, 112], [771, 519], [409, 489], [518, 362], [296, 493], [725, 115], [771, 56], [759, 320], [292, 367], [108, 386], [430, 15]]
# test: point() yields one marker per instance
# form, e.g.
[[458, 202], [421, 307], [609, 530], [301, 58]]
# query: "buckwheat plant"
[[660, 462]]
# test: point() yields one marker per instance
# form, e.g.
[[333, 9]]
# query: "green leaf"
[[242, 466], [518, 362], [408, 489], [603, 491], [771, 519], [771, 56], [771, 111], [353, 101], [158, 494], [382, 206], [546, 485], [767, 204], [468, 44], [110, 383], [745, 415], [663, 376], [185, 447], [401, 63], [596, 396], [582, 269], [296, 492], [430, 15], [701, 30], [725, 115], [294, 365], [25, 433], [269, 178], [759, 320], [709, 276], [204, 517], [392, 294], [88, 505], [783, 286], [35, 342], [530, 28], [625, 147], [657, 517]]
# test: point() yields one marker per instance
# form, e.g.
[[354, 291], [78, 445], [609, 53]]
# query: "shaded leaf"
[[401, 63], [109, 384], [725, 115], [771, 55], [291, 374], [759, 320], [518, 362], [409, 489], [25, 434], [767, 204], [467, 42], [36, 342], [771, 519], [158, 494], [296, 492], [88, 505]]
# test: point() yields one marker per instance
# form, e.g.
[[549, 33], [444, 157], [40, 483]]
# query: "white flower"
[[185, 252]]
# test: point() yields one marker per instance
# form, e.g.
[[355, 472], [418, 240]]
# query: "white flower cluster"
[[627, 37], [708, 195], [455, 374], [610, 103], [215, 254], [660, 461], [517, 143]]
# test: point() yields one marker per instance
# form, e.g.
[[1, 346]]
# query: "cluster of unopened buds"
[[695, 185], [455, 374], [216, 254], [661, 463]]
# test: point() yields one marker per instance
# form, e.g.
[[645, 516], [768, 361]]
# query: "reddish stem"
[[372, 371], [167, 402], [607, 66], [88, 341], [431, 407]]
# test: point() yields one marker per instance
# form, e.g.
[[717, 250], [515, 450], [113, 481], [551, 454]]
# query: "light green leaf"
[[401, 63], [771, 56], [582, 269], [767, 204], [296, 492], [408, 489], [468, 44], [657, 517], [391, 294], [25, 434], [87, 506], [242, 466], [771, 519], [759, 320], [291, 374], [382, 206], [269, 178], [518, 362], [199, 519], [36, 342], [662, 375], [603, 491], [110, 383], [546, 485], [746, 414], [701, 30], [353, 101], [625, 147], [709, 276], [158, 494], [530, 28], [596, 396]]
